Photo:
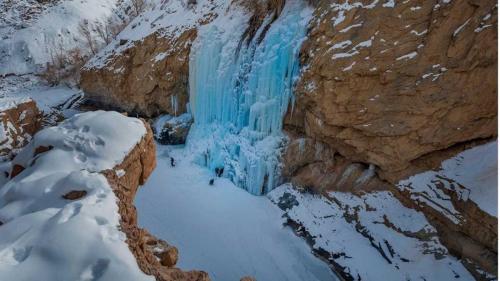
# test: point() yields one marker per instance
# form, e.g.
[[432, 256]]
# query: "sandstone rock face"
[[150, 77], [390, 85], [154, 256], [19, 121], [399, 90]]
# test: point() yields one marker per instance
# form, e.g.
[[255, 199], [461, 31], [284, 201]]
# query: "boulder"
[[19, 121]]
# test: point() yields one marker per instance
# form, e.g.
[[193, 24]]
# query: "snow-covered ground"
[[221, 229], [47, 98], [32, 32], [371, 236], [470, 175], [46, 237]]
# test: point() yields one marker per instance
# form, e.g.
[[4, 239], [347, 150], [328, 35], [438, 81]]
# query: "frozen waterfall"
[[239, 94]]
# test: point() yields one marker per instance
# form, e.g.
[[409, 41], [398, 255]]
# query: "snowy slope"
[[30, 32], [167, 18], [471, 175], [46, 237], [221, 229], [372, 236]]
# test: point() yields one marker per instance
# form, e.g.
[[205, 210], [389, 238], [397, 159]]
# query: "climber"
[[211, 182], [219, 171], [172, 161]]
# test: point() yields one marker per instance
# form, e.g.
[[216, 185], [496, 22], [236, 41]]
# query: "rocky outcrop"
[[149, 77], [391, 84], [389, 90], [82, 162], [172, 130], [315, 166], [19, 121], [154, 256]]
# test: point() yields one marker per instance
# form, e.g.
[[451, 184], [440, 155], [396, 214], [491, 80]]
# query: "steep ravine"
[[385, 90]]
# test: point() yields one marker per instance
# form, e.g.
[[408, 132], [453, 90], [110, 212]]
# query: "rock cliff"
[[149, 78], [394, 84]]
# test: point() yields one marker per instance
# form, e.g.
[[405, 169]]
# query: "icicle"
[[239, 101]]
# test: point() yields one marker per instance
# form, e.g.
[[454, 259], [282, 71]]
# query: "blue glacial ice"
[[239, 94]]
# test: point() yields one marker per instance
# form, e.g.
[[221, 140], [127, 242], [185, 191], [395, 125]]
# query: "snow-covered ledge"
[[67, 212]]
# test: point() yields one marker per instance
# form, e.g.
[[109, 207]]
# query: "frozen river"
[[222, 229]]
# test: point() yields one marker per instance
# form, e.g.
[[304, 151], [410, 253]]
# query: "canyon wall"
[[149, 78], [397, 86], [391, 85], [386, 90]]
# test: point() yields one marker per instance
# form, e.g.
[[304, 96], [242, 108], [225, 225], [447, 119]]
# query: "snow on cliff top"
[[29, 31], [169, 18], [12, 102], [46, 237]]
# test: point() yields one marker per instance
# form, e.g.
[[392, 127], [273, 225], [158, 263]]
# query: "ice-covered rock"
[[172, 129]]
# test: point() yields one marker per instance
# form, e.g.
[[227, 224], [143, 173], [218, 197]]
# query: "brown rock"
[[248, 278], [404, 86], [316, 167], [19, 123], [474, 239], [16, 170], [144, 84], [409, 88], [75, 194], [42, 149], [169, 257]]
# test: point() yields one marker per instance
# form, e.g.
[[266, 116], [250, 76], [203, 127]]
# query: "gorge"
[[293, 139]]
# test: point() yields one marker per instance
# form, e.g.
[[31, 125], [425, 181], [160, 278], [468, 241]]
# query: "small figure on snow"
[[219, 171], [211, 182], [172, 161]]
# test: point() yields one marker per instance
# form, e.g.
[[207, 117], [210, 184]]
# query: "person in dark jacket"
[[211, 182], [219, 172], [172, 161]]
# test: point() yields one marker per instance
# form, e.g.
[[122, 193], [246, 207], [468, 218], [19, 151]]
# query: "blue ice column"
[[239, 98]]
